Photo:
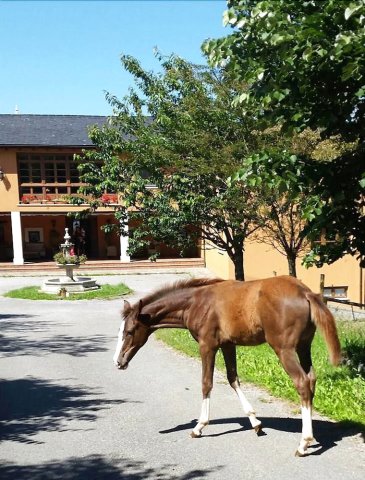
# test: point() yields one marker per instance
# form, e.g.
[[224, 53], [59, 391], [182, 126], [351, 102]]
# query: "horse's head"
[[133, 334]]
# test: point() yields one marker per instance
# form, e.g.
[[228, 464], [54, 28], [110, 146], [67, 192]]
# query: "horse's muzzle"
[[122, 366]]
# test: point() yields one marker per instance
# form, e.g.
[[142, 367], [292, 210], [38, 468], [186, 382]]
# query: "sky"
[[60, 57]]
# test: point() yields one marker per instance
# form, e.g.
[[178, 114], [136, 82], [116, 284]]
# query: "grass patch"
[[105, 292], [340, 391]]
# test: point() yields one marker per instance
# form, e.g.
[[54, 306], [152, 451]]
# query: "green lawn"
[[340, 391], [104, 292]]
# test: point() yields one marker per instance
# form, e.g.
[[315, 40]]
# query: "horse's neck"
[[168, 312]]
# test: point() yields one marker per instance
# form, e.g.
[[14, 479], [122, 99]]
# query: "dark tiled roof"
[[47, 130]]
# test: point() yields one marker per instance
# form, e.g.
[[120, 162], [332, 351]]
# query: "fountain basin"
[[68, 284], [75, 285]]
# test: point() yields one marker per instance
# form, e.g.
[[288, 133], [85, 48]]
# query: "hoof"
[[258, 429], [195, 435], [299, 454]]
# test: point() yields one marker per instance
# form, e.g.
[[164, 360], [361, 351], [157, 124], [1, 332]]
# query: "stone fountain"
[[68, 283]]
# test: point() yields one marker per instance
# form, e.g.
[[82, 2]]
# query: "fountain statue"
[[67, 260]]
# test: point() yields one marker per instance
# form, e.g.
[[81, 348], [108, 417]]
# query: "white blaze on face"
[[119, 344]]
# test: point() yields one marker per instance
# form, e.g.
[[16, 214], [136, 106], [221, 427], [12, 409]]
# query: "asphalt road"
[[68, 413]]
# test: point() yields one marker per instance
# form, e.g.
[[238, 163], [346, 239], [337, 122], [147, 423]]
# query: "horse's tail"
[[325, 321]]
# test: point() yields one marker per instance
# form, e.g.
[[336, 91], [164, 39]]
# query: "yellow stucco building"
[[38, 173]]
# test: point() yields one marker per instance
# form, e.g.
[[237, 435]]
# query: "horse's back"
[[250, 313]]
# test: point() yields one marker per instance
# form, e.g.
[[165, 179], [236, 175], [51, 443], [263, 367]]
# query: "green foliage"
[[340, 392], [303, 61], [342, 219], [289, 201], [61, 259], [353, 347], [178, 132], [104, 293], [303, 66]]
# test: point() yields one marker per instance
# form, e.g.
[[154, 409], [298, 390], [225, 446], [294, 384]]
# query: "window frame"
[[44, 189]]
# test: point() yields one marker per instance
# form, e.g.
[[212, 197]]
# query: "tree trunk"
[[238, 265], [292, 265]]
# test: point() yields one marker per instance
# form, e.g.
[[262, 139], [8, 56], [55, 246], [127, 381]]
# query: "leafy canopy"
[[178, 132], [303, 64], [303, 61]]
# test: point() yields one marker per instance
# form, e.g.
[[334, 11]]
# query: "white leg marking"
[[307, 430], [246, 405], [203, 419], [119, 344]]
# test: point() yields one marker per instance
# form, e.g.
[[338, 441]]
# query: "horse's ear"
[[145, 318], [127, 306]]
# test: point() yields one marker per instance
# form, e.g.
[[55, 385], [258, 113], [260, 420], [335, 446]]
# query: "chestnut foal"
[[222, 314]]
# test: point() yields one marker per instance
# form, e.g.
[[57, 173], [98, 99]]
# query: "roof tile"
[[47, 130]]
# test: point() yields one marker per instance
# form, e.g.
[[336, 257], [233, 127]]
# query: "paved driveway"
[[67, 413]]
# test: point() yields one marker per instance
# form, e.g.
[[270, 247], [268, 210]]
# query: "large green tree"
[[303, 66], [178, 132]]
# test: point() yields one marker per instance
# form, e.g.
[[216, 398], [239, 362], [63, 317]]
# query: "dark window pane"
[[24, 172], [36, 172]]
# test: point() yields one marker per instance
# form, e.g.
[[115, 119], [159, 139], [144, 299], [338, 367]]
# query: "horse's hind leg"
[[304, 354], [208, 359], [229, 354], [304, 383]]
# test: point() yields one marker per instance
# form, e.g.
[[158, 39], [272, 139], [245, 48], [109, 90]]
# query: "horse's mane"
[[179, 285]]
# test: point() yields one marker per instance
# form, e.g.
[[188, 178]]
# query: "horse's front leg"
[[305, 386], [207, 354], [229, 354]]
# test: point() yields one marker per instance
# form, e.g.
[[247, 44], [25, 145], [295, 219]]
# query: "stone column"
[[124, 257], [16, 227]]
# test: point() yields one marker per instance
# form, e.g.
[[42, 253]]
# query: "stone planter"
[[69, 267]]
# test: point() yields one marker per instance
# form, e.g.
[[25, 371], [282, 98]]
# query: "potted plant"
[[71, 259], [109, 198], [28, 198]]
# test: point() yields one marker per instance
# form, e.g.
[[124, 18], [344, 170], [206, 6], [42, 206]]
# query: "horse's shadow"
[[327, 434]]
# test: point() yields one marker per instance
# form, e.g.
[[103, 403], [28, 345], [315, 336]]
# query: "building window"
[[47, 176], [339, 292]]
